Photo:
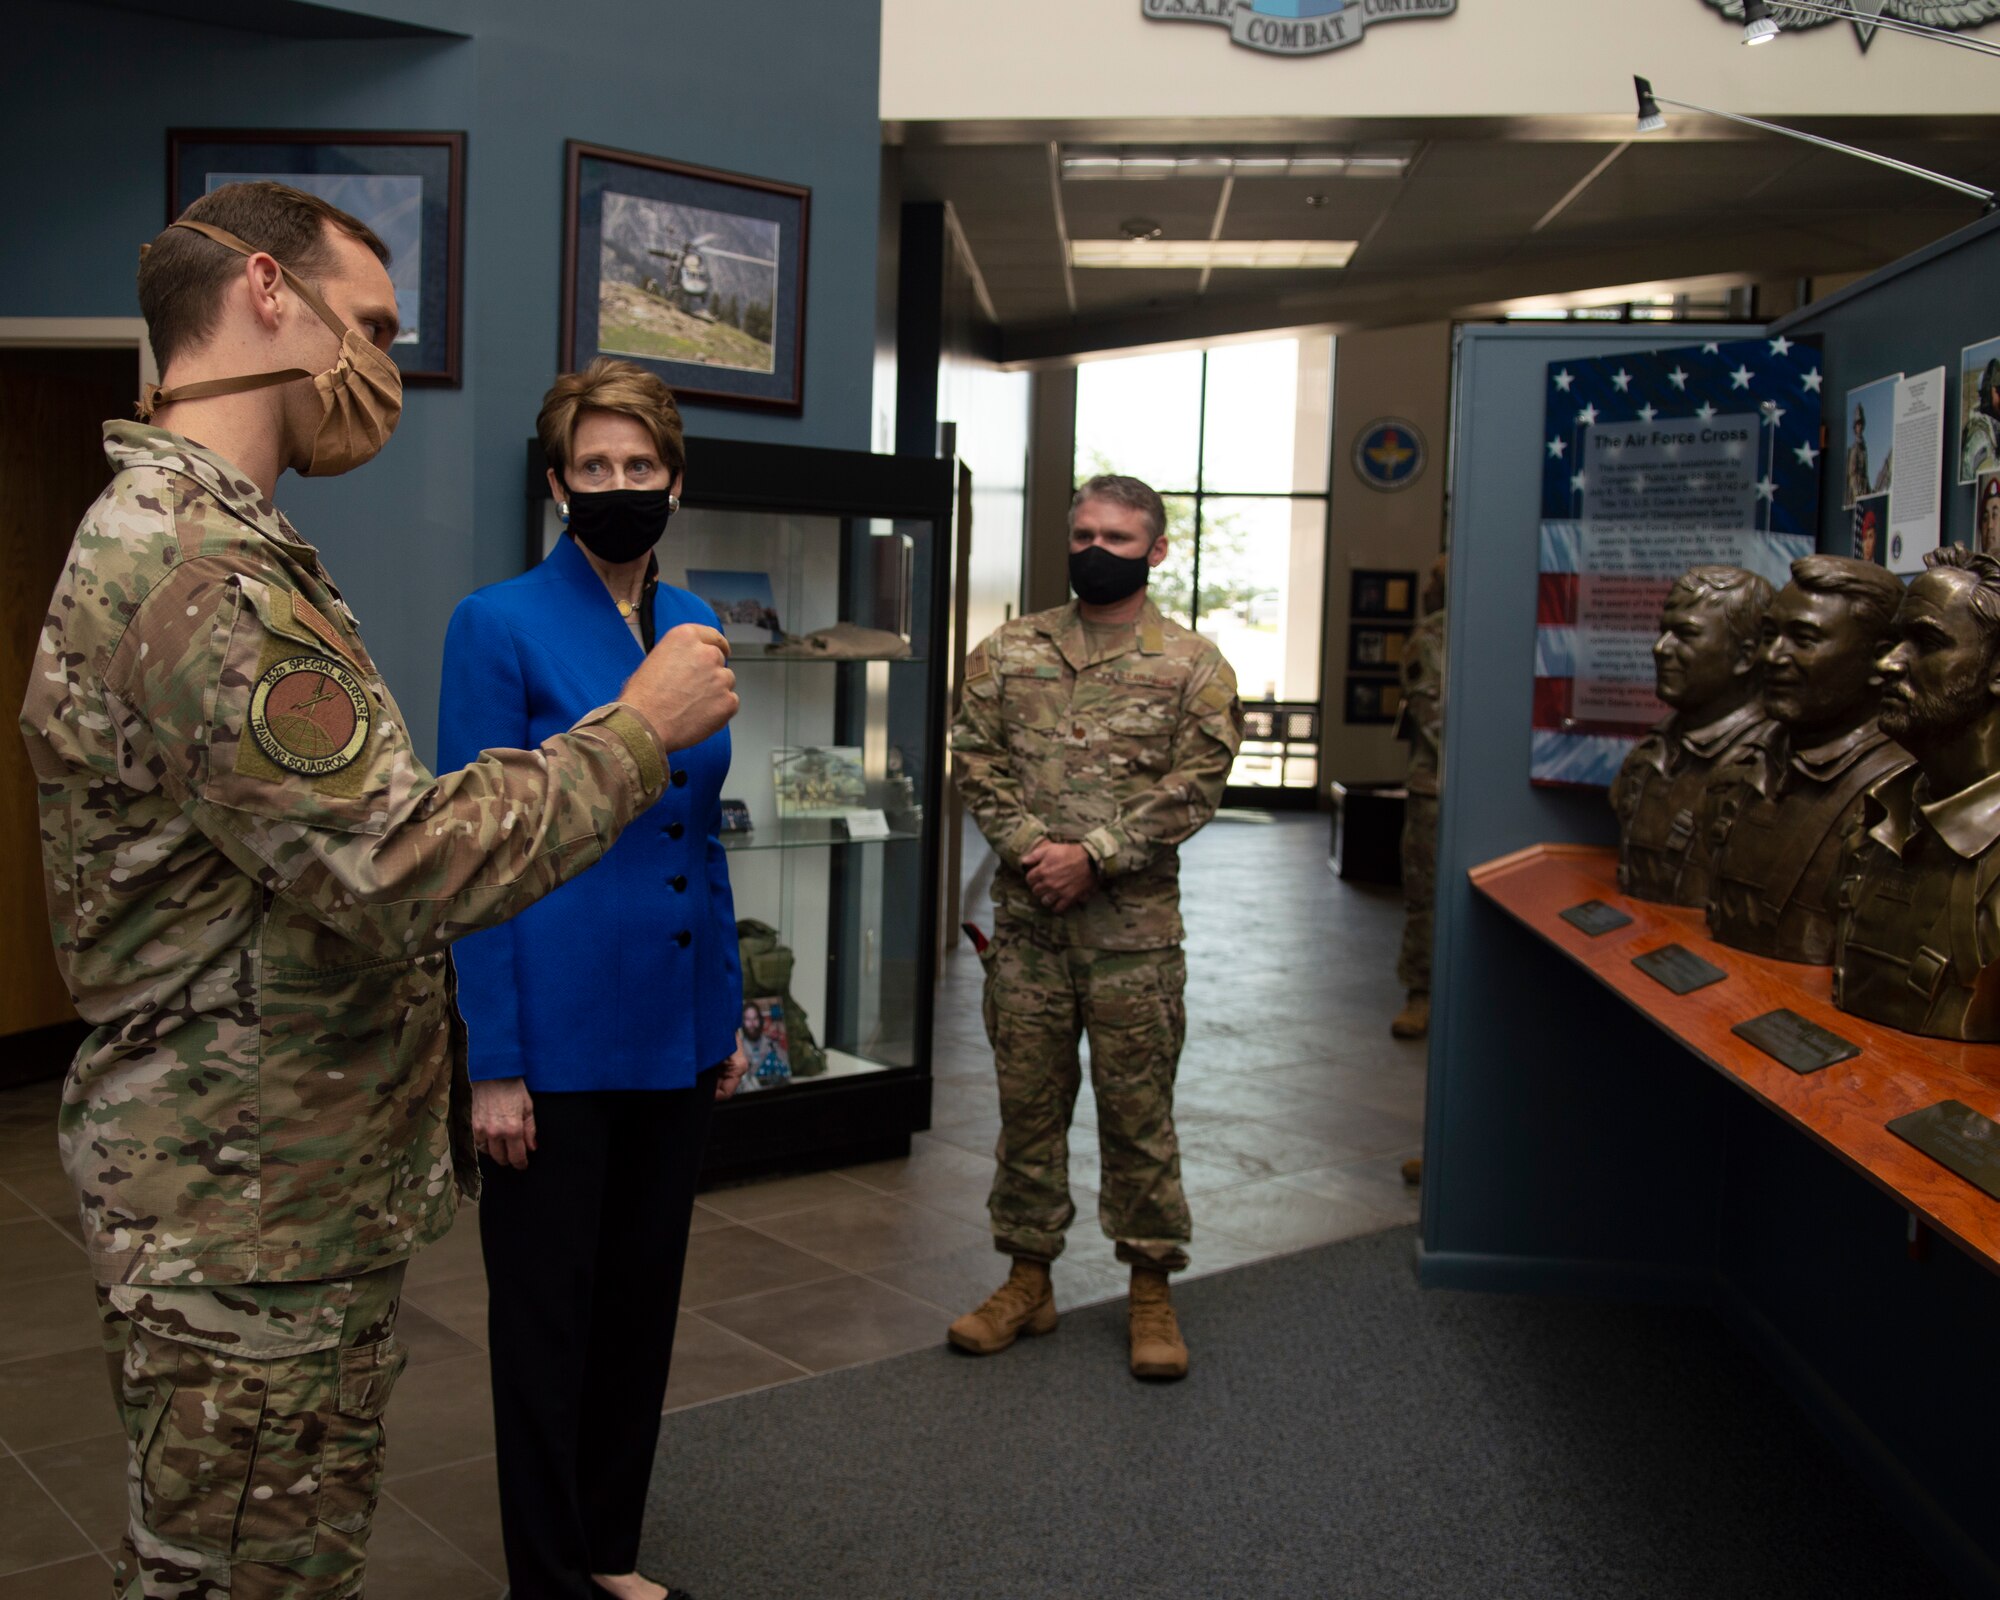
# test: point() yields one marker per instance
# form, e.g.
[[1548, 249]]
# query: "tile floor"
[[1295, 1108]]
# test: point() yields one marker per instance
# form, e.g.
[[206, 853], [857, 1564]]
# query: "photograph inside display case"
[[823, 819]]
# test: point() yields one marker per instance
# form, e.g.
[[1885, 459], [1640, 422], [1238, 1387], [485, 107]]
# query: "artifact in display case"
[[1778, 811], [1705, 669], [1919, 946]]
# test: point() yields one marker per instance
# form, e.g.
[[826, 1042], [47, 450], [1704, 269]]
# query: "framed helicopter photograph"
[[697, 274]]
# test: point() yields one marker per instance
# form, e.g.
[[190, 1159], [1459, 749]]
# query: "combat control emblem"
[[1295, 27], [309, 715]]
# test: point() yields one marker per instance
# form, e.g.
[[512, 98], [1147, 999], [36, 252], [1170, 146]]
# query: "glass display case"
[[828, 570]]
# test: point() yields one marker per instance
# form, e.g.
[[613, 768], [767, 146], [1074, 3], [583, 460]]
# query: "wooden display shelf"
[[1844, 1107]]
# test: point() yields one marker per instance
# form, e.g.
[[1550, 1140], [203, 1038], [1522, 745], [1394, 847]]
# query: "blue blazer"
[[627, 976]]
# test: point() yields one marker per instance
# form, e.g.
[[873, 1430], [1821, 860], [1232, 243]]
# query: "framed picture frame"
[[1373, 700], [696, 274], [1376, 646], [408, 186], [1376, 594]]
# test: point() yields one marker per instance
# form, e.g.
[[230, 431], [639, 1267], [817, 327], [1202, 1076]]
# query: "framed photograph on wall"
[[409, 187], [1376, 646], [1382, 596], [698, 275], [1373, 700]]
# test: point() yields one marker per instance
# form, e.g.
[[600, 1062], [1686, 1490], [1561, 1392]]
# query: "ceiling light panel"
[[1271, 254], [1081, 163]]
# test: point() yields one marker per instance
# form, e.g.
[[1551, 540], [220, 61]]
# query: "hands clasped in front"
[[684, 687], [1059, 875]]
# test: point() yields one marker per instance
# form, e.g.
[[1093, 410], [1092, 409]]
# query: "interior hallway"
[[1296, 1110]]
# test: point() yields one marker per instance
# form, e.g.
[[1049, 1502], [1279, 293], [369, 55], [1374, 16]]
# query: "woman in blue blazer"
[[602, 1021]]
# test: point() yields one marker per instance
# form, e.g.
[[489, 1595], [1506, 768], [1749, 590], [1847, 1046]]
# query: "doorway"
[[53, 403]]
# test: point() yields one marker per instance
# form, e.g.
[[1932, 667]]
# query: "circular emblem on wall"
[[309, 715], [1389, 454]]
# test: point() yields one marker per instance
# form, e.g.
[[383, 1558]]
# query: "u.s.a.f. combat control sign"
[[1295, 27]]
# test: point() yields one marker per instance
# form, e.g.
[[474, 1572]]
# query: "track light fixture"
[[1760, 27], [1652, 120]]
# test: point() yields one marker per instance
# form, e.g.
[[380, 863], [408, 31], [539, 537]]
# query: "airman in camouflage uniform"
[[1422, 715], [1117, 739], [252, 881]]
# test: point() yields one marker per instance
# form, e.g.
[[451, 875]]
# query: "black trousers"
[[584, 1252]]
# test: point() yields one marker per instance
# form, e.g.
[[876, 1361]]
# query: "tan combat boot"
[[1414, 1020], [1157, 1350], [1025, 1303]]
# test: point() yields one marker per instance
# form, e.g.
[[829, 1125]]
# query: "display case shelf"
[[1845, 1107], [744, 656], [808, 836]]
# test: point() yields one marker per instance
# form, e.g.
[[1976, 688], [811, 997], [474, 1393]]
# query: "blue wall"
[[786, 91], [1512, 1122], [1916, 314]]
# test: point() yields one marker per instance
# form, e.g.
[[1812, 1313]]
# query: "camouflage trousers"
[[1420, 836], [254, 1418], [1040, 1000]]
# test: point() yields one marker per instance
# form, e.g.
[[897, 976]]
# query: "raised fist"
[[684, 688]]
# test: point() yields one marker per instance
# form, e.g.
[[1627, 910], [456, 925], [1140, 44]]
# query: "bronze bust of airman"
[[1919, 938], [1776, 813], [1704, 668]]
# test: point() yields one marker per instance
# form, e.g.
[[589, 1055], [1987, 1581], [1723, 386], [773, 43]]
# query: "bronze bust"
[[1919, 944], [1776, 812], [1704, 667]]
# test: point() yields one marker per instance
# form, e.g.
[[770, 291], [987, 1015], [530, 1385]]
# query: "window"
[[1236, 439]]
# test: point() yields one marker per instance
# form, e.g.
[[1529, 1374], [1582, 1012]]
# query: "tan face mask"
[[361, 395]]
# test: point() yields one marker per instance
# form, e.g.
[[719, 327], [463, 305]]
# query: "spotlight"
[[1141, 229], [1650, 119], [1758, 26]]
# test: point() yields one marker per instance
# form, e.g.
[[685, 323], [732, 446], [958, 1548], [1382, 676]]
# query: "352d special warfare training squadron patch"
[[309, 715]]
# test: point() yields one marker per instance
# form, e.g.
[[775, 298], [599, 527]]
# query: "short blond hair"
[[623, 388]]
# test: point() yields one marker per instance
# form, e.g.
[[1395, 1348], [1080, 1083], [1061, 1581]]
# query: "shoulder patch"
[[1215, 696], [979, 663], [309, 715]]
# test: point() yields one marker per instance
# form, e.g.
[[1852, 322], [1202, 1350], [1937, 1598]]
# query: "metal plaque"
[[1801, 1045], [1595, 917], [1678, 968], [1958, 1137]]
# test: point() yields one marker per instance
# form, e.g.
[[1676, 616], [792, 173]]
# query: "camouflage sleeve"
[[305, 778], [1176, 807], [983, 767]]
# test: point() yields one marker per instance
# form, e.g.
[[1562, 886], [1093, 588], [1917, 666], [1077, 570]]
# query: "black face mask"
[[619, 525], [1101, 579]]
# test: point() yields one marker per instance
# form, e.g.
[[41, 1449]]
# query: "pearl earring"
[[562, 506]]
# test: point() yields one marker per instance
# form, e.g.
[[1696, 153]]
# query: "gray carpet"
[[1341, 1435]]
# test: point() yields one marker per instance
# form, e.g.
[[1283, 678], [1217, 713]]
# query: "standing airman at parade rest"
[[1705, 671], [1777, 812], [1422, 721], [253, 881], [1091, 740], [1919, 935]]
